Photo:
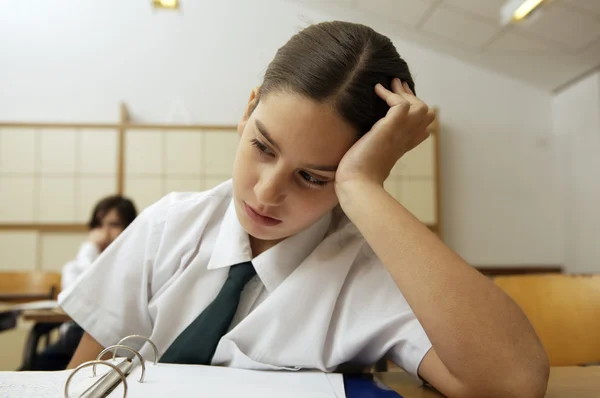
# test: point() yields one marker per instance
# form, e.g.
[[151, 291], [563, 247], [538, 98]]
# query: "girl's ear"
[[252, 103]]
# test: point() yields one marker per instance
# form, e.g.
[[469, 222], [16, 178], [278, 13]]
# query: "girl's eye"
[[260, 147], [307, 178], [310, 180]]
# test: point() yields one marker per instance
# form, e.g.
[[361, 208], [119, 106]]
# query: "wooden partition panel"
[[52, 174]]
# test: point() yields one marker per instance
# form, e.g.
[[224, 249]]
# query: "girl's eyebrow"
[[263, 131]]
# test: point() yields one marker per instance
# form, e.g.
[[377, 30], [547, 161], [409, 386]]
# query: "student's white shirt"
[[86, 255], [320, 299]]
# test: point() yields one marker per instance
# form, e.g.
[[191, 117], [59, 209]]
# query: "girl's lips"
[[259, 218]]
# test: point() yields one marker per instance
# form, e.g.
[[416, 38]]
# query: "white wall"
[[500, 195], [576, 112], [76, 61]]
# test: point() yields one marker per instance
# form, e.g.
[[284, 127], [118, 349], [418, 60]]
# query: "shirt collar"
[[232, 245], [274, 265]]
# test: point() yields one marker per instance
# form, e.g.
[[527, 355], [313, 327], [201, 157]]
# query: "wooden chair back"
[[565, 312]]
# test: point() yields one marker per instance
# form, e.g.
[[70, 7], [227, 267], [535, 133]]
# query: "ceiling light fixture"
[[168, 4], [518, 10]]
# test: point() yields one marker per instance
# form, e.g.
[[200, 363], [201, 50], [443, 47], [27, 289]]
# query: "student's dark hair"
[[124, 207], [339, 63]]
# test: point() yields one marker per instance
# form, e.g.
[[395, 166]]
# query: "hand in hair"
[[404, 127], [454, 303]]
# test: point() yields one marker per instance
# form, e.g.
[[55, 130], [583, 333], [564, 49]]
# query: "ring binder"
[[169, 380], [94, 363], [115, 348], [105, 384], [118, 373], [138, 336]]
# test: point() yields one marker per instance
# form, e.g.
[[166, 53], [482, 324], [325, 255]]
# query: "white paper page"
[[337, 383], [168, 380], [32, 384], [49, 384]]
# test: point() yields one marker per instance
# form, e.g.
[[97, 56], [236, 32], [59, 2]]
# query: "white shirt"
[[87, 254], [321, 298]]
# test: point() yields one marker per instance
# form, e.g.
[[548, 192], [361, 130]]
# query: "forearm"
[[476, 330], [87, 350]]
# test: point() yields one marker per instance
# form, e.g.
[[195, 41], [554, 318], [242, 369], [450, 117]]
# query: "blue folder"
[[366, 386]]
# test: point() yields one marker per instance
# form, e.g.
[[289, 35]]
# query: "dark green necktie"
[[198, 342]]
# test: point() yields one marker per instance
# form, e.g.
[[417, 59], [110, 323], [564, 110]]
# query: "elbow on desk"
[[534, 382], [531, 378], [530, 381]]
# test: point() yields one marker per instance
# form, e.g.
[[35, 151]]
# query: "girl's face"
[[111, 224], [285, 165]]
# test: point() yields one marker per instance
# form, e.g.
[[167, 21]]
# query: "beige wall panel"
[[211, 182], [421, 160], [143, 152], [18, 250], [57, 200], [418, 196], [399, 169], [17, 199], [90, 191], [393, 186], [219, 152], [59, 248], [182, 184], [183, 153], [144, 191], [98, 150], [17, 150], [57, 151]]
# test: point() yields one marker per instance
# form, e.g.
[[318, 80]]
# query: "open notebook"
[[167, 380], [120, 377]]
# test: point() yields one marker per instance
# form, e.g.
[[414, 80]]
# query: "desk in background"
[[45, 320], [55, 315]]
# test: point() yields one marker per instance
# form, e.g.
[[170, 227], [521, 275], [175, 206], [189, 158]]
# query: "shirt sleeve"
[[401, 332], [409, 353], [110, 300], [87, 254]]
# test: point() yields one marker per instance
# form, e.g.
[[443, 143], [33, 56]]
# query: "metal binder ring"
[[137, 336], [115, 348], [94, 363]]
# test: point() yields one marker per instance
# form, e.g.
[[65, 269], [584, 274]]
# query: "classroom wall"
[[77, 61], [576, 117], [500, 196], [56, 176]]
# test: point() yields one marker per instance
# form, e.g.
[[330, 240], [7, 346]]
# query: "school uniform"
[[86, 255], [320, 298]]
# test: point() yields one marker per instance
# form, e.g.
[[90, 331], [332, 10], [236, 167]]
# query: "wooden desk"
[[45, 321], [23, 297], [565, 382], [54, 315], [46, 316]]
